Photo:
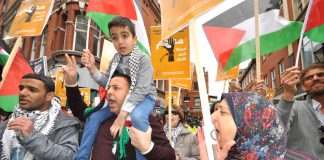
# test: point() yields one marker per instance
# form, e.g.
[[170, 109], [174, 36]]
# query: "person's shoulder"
[[64, 120]]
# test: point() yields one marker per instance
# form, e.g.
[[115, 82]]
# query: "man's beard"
[[317, 93]]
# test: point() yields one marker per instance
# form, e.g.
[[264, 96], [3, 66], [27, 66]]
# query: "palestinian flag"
[[231, 34], [15, 68], [3, 59], [315, 24], [103, 11]]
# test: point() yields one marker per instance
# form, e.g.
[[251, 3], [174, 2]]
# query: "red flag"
[[315, 24], [9, 91]]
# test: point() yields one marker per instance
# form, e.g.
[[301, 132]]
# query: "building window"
[[273, 78], [160, 84], [291, 60], [299, 6], [80, 33], [197, 102], [196, 88], [266, 82], [33, 53], [281, 68], [308, 50], [43, 43], [96, 41]]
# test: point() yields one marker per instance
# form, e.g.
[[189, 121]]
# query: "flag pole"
[[257, 40], [302, 32], [88, 33], [169, 110], [178, 101], [224, 88], [209, 130]]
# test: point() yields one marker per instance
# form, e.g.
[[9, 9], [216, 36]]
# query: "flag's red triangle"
[[223, 41], [17, 69], [316, 15], [124, 8], [102, 93]]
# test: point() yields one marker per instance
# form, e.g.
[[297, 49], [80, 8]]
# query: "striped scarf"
[[43, 122], [174, 133]]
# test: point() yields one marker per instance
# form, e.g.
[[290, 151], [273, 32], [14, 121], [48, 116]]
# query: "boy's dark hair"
[[120, 21], [122, 75], [48, 82], [310, 67]]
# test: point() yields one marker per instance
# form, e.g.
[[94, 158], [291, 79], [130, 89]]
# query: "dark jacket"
[[102, 148]]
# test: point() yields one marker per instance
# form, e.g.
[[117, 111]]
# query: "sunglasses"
[[172, 112], [321, 129]]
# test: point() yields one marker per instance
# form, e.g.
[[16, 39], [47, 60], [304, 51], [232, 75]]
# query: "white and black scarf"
[[134, 61], [43, 122], [174, 133]]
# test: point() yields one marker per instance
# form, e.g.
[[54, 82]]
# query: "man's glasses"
[[321, 129], [172, 112]]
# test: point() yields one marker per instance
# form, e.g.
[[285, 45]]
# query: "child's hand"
[[88, 61], [118, 124]]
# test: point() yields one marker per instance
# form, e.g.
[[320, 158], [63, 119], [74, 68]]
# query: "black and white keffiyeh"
[[134, 61], [43, 122], [174, 133]]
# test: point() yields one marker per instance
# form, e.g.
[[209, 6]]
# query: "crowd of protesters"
[[123, 125]]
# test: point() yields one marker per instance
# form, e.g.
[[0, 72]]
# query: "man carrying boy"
[[153, 143], [140, 100]]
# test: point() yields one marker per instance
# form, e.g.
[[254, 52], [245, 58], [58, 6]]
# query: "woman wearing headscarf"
[[183, 141], [252, 122]]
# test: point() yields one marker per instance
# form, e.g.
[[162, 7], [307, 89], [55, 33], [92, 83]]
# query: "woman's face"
[[175, 118], [224, 123]]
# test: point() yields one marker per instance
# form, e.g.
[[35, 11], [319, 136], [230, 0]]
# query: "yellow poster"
[[108, 52], [185, 83], [270, 94], [174, 97], [85, 94], [231, 74], [171, 57], [60, 90], [31, 18], [176, 13]]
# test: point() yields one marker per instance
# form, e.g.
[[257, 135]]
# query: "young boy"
[[140, 100]]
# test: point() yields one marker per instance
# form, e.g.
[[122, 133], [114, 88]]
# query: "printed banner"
[[39, 65], [176, 13], [270, 94], [231, 74], [174, 97], [31, 18], [171, 57], [60, 90]]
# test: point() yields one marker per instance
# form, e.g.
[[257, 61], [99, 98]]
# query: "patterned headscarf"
[[260, 132]]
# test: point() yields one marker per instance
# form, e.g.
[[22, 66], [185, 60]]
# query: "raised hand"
[[260, 88], [170, 46], [70, 70], [290, 78], [88, 61]]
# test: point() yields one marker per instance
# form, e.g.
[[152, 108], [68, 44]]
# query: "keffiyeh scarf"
[[174, 133], [134, 61], [43, 122]]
